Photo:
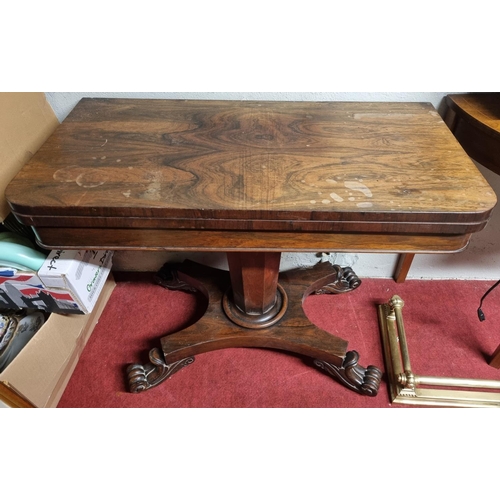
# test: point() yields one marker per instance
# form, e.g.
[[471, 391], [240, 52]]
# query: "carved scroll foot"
[[168, 277], [362, 380], [345, 280], [144, 377]]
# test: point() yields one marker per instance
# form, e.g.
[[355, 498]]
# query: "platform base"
[[293, 332]]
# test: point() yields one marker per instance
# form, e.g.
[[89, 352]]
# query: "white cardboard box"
[[69, 281], [81, 272]]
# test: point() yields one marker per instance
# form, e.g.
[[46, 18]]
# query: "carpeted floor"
[[445, 338]]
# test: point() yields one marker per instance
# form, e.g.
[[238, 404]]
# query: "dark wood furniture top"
[[474, 119], [216, 174]]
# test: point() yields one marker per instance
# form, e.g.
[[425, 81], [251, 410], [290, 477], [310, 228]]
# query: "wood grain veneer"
[[253, 166]]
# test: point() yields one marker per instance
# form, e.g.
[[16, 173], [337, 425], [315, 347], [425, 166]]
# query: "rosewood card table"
[[253, 180]]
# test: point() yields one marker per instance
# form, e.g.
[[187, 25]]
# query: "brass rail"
[[406, 387]]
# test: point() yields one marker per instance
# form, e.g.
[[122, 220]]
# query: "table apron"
[[234, 241], [340, 226]]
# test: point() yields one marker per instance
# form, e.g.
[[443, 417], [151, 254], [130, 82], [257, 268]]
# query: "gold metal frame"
[[405, 386]]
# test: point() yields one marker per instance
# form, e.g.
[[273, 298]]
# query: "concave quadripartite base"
[[293, 332]]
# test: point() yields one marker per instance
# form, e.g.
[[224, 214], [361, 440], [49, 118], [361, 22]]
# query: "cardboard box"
[[69, 281], [26, 122], [81, 272], [41, 371], [39, 374]]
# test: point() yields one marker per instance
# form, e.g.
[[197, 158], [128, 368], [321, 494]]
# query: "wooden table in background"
[[474, 119], [253, 179]]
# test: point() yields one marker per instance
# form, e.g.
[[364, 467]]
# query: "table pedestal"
[[247, 307]]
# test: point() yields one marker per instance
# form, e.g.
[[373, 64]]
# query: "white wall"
[[63, 102], [479, 261]]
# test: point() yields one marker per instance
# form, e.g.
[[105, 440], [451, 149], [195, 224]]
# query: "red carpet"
[[445, 338]]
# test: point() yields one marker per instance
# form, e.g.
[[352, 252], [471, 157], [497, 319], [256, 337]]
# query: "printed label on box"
[[69, 281]]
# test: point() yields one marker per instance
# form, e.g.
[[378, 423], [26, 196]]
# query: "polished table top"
[[215, 174], [253, 179]]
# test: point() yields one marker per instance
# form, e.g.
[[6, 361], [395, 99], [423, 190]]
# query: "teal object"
[[15, 238], [19, 256]]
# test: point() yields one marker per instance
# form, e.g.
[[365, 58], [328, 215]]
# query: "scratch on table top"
[[77, 203]]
